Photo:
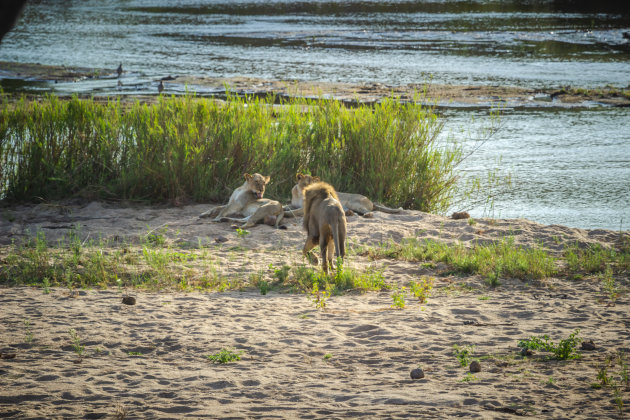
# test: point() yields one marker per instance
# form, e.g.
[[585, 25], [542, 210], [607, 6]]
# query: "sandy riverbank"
[[352, 359]]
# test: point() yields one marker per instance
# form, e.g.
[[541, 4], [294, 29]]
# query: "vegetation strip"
[[187, 148]]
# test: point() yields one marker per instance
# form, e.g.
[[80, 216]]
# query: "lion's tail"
[[378, 207], [339, 236]]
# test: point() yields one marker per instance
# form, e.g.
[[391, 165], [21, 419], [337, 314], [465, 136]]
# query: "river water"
[[569, 165]]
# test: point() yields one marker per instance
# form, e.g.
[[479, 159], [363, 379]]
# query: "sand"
[[351, 359], [495, 96]]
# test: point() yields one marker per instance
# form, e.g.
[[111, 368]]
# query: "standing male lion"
[[324, 222]]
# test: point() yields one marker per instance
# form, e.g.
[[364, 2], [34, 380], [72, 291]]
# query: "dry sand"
[[149, 360]]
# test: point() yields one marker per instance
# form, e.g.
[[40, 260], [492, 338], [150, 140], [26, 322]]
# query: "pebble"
[[417, 373], [129, 300], [7, 355], [475, 366]]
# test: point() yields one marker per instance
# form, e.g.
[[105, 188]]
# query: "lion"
[[247, 201], [356, 203], [324, 222]]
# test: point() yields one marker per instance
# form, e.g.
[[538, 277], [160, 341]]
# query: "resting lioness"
[[324, 222], [356, 202], [247, 201]]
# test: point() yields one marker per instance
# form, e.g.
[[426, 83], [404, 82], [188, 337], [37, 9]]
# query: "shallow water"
[[536, 43], [569, 166]]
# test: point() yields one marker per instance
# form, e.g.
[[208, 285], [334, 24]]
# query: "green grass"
[[225, 355], [343, 279], [492, 261], [463, 354], [191, 148], [155, 265], [597, 259], [565, 350], [78, 348], [98, 264]]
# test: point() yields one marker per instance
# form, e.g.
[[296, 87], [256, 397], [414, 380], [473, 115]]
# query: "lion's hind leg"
[[311, 242], [331, 251], [213, 212]]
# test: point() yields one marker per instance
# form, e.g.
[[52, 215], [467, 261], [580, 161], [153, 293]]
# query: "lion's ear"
[[247, 176], [316, 179], [299, 176], [267, 178]]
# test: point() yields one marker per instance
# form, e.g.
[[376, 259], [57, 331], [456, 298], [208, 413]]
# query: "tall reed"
[[190, 148]]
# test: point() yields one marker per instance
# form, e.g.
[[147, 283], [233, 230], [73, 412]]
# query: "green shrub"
[[186, 147], [566, 349]]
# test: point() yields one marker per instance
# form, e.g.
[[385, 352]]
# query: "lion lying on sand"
[[247, 202], [324, 222], [358, 203]]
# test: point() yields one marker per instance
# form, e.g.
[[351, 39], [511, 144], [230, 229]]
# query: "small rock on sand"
[[475, 366], [7, 355], [460, 215], [129, 300], [417, 373]]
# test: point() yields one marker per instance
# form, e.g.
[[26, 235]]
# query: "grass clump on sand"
[[153, 264], [74, 264], [341, 280], [597, 259], [190, 148], [225, 355], [502, 258], [565, 350]]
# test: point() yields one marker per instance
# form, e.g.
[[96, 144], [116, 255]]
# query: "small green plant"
[[463, 354], [135, 353], [609, 284], [328, 356], [46, 285], [319, 297], [281, 274], [483, 297], [241, 233], [263, 286], [492, 278], [472, 222], [28, 338], [565, 350], [624, 374], [398, 296], [226, 355], [156, 237], [257, 279], [603, 377], [614, 381], [76, 342], [422, 289], [469, 377]]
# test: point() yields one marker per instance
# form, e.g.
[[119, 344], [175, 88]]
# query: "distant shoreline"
[[351, 93]]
